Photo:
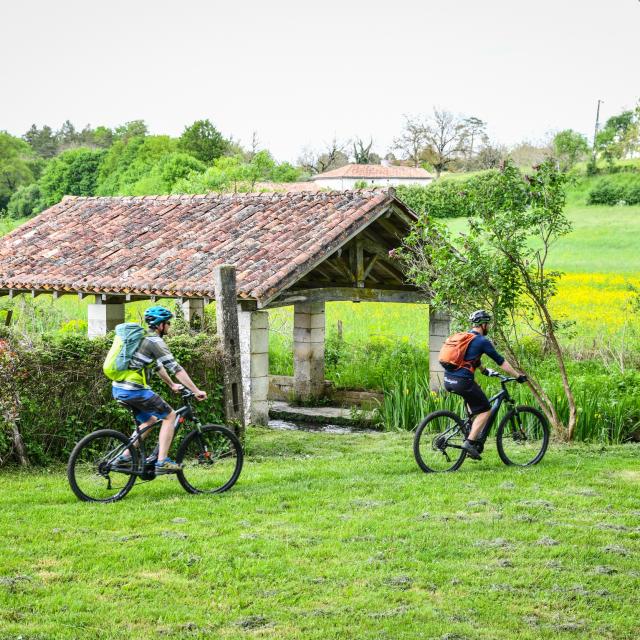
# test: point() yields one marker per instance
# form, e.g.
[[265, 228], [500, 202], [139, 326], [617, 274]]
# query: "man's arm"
[[183, 377]]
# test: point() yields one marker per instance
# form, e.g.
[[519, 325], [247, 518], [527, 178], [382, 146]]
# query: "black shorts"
[[470, 391]]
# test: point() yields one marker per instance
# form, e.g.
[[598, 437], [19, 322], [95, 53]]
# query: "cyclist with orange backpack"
[[460, 356]]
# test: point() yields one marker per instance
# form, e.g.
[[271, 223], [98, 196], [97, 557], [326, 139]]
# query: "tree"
[[333, 156], [132, 129], [444, 136], [25, 201], [167, 171], [362, 154], [73, 172], [474, 128], [67, 135], [527, 154], [43, 141], [412, 139], [501, 264], [620, 136], [489, 157], [203, 141], [570, 147], [15, 170]]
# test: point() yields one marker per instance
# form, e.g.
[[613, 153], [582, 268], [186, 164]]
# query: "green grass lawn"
[[332, 537]]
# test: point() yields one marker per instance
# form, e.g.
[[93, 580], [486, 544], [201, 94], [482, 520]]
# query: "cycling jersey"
[[478, 347]]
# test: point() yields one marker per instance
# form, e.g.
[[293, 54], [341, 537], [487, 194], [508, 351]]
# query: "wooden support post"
[[227, 324]]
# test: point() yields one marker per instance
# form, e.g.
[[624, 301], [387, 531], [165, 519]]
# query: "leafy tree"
[[570, 147], [527, 154], [501, 264], [103, 137], [73, 172], [203, 141], [43, 141], [361, 153], [67, 135], [128, 161], [474, 128], [15, 170], [620, 136], [168, 170], [132, 129], [25, 201]]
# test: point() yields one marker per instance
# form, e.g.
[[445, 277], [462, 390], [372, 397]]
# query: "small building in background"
[[351, 176]]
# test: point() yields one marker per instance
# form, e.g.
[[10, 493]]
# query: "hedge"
[[618, 189], [54, 390]]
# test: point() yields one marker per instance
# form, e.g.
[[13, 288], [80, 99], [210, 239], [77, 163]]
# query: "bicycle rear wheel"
[[436, 445], [523, 437], [92, 470], [212, 460]]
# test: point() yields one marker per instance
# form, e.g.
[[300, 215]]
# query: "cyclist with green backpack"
[[131, 355], [460, 356]]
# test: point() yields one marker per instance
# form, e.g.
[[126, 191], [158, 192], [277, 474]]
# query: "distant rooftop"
[[373, 171]]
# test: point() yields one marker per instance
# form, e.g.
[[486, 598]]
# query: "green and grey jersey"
[[152, 352]]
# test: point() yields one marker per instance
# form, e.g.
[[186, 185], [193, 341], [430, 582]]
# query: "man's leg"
[[478, 424], [166, 435]]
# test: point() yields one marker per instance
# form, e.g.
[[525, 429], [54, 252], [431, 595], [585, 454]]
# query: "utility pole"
[[595, 133]]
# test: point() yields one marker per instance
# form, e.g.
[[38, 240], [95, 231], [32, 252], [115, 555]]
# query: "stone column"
[[254, 359], [308, 350], [104, 315], [193, 311], [439, 330]]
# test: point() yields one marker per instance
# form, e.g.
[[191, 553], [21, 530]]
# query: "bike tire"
[[501, 437], [82, 446], [190, 444], [422, 431]]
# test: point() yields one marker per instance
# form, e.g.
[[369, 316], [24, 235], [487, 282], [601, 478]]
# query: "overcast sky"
[[301, 72]]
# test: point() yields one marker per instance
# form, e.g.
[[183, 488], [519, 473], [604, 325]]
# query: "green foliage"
[[73, 172], [130, 160], [25, 201], [620, 136], [44, 142], [167, 171], [15, 169], [63, 394], [128, 130], [616, 189], [447, 198], [570, 147], [203, 141]]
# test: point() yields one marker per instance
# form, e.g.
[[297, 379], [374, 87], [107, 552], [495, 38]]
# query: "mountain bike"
[[211, 455], [522, 437]]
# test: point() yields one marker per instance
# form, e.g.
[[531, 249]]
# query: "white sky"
[[301, 72]]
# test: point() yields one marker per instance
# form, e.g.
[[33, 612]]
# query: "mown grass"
[[332, 537]]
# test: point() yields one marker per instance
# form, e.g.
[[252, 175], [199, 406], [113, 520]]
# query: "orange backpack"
[[453, 350]]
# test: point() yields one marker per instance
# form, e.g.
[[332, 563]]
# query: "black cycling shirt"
[[478, 347]]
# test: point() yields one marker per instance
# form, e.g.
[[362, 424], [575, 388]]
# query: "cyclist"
[[148, 406], [461, 380]]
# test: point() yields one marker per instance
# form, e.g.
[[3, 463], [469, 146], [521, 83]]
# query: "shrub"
[[621, 188], [63, 394], [26, 201]]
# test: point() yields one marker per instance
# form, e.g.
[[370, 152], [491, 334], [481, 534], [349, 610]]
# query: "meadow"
[[332, 537]]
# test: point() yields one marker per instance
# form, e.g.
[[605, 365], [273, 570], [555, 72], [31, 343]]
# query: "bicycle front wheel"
[[212, 460], [437, 443], [523, 437], [94, 473]]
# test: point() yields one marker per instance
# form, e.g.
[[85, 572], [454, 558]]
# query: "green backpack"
[[129, 335]]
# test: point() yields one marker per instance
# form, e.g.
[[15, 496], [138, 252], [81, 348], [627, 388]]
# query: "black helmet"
[[154, 316], [480, 317]]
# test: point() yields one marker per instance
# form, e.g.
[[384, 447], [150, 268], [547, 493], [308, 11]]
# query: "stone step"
[[281, 410]]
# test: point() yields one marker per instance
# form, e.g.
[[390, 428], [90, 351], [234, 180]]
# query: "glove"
[[521, 379]]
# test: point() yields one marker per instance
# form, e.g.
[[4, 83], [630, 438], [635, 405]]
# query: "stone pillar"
[[193, 311], [254, 357], [308, 350], [439, 330], [104, 315]]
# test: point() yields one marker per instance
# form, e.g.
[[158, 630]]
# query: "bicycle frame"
[[183, 414]]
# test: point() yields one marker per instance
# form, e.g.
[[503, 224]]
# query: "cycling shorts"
[[470, 391]]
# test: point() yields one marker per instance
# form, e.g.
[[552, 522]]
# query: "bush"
[[621, 188], [62, 393], [25, 202]]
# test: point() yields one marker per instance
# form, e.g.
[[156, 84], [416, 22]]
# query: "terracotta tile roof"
[[369, 171], [169, 245]]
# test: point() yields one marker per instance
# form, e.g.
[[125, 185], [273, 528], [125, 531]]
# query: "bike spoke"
[[437, 444]]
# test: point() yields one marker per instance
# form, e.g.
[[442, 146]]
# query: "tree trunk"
[[18, 445]]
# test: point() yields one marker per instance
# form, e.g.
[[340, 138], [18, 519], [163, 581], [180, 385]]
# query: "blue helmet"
[[154, 316]]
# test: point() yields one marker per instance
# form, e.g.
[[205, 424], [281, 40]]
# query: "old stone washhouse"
[[293, 249]]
